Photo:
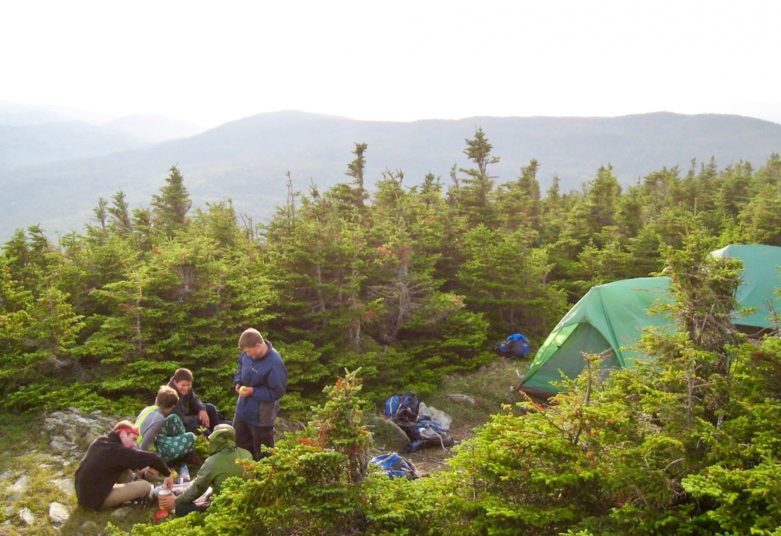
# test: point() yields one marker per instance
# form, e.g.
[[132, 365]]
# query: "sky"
[[212, 62]]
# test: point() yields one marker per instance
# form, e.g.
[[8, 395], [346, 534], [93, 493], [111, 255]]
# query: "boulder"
[[463, 399], [122, 512], [26, 515], [436, 415], [66, 485], [283, 426], [61, 444], [89, 527], [20, 486], [58, 513], [387, 435], [72, 431]]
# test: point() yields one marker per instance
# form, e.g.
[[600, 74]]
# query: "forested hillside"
[[409, 284], [247, 159]]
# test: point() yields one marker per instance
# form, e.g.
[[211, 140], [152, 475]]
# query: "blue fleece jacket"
[[268, 376]]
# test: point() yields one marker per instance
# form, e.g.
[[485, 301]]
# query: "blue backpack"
[[402, 407], [426, 432], [515, 345], [395, 466]]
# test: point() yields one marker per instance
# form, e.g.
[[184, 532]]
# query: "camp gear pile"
[[395, 465], [422, 430]]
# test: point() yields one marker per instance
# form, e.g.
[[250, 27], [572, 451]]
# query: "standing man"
[[260, 381]]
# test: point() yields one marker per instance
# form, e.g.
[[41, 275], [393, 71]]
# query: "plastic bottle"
[[184, 473]]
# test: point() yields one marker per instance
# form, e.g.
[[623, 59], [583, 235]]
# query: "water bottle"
[[184, 473]]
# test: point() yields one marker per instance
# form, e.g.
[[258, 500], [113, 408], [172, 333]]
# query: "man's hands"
[[167, 501], [148, 472], [244, 390], [204, 418]]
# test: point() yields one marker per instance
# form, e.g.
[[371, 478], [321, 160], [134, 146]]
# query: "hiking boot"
[[144, 502]]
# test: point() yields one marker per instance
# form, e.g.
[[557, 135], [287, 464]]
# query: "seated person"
[[161, 427], [223, 462], [193, 412], [104, 473]]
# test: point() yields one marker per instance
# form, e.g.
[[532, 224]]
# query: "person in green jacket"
[[223, 462]]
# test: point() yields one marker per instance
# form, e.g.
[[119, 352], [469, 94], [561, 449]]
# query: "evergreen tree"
[[100, 212], [472, 193], [355, 169], [760, 218], [170, 206], [518, 203], [505, 279], [120, 213]]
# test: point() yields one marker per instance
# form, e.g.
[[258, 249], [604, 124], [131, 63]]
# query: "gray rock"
[[464, 399], [283, 426], [66, 485], [5, 475], [387, 435], [73, 433], [9, 511], [436, 415], [58, 513], [61, 444], [89, 527], [26, 515], [20, 486], [83, 420], [122, 511]]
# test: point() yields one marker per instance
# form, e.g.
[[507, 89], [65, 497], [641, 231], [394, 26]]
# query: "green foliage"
[[170, 207], [411, 284], [308, 485]]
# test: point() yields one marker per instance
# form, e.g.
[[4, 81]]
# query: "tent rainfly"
[[610, 318]]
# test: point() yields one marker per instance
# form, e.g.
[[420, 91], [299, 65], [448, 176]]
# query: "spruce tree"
[[170, 206]]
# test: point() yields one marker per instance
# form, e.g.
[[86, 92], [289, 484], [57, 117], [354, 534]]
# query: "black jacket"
[[188, 404], [102, 465]]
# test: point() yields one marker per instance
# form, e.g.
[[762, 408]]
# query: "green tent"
[[610, 318], [760, 283]]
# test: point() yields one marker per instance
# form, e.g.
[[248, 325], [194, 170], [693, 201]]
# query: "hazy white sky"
[[209, 62]]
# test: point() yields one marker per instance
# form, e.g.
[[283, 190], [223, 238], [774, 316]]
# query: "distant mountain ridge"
[[34, 135], [246, 160], [152, 128], [21, 145]]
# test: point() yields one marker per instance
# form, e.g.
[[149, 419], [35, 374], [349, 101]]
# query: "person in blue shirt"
[[260, 381]]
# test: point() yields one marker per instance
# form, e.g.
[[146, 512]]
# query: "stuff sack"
[[502, 348], [520, 348], [395, 466], [515, 345]]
